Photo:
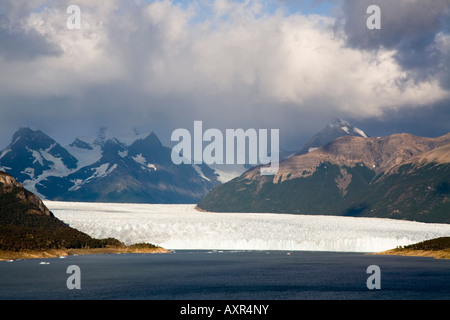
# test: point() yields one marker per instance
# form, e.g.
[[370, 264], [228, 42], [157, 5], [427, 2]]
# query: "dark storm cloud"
[[401, 21], [433, 121], [24, 46], [156, 66], [412, 28]]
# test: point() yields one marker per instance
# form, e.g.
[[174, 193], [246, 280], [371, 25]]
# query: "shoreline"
[[56, 253], [436, 254]]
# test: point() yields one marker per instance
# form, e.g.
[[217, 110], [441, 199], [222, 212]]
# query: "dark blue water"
[[254, 275]]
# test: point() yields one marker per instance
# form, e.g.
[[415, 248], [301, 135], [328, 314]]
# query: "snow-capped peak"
[[339, 123], [333, 130], [347, 128]]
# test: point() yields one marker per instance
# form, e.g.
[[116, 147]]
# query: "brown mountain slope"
[[9, 185], [27, 224], [400, 176], [378, 154], [29, 230]]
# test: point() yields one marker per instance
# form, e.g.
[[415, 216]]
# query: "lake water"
[[227, 275], [221, 258]]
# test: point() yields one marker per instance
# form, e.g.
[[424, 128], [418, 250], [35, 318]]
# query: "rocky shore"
[[437, 254], [55, 253], [438, 248]]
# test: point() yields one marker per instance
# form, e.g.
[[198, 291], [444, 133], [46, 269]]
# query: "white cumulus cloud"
[[215, 58]]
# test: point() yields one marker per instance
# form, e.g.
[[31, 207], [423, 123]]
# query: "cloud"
[[24, 46], [413, 30], [164, 64]]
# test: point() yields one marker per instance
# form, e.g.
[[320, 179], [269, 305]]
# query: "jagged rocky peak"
[[26, 136], [31, 152], [78, 143], [112, 147], [130, 168], [101, 136], [146, 142]]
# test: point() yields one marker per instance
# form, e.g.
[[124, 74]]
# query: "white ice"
[[182, 227]]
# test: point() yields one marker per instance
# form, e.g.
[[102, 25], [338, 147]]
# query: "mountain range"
[[400, 176], [137, 168], [339, 171], [104, 169]]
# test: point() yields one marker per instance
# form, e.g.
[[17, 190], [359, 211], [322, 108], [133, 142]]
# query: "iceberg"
[[182, 227]]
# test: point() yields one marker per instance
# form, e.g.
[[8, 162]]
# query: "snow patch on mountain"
[[4, 152], [58, 168], [200, 172], [102, 171], [140, 159], [37, 156], [227, 172], [143, 161], [85, 156], [123, 154], [29, 172], [99, 172], [362, 133]]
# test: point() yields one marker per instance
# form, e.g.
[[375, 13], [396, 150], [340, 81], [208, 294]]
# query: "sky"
[[155, 66]]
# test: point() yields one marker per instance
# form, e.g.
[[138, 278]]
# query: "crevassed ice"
[[183, 227]]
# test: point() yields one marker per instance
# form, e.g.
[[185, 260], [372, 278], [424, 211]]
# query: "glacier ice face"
[[183, 227]]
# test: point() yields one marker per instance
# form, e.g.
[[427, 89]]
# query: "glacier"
[[179, 227]]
